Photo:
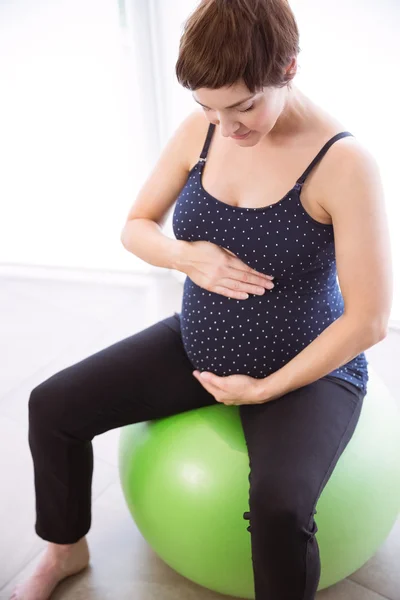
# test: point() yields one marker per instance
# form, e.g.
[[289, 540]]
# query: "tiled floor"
[[46, 325]]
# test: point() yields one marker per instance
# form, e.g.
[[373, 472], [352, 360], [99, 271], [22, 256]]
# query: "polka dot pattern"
[[260, 335]]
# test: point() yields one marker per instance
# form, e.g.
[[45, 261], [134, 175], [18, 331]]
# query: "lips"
[[240, 136]]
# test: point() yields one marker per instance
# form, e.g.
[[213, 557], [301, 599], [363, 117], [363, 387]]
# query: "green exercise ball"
[[185, 481]]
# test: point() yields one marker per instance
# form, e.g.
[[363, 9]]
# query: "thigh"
[[142, 377], [295, 441]]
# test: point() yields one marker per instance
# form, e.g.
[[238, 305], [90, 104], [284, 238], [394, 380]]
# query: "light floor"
[[47, 325]]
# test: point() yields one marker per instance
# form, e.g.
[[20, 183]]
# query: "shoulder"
[[350, 160], [184, 139], [189, 137], [348, 154], [350, 173], [344, 154], [348, 167], [197, 126], [345, 161]]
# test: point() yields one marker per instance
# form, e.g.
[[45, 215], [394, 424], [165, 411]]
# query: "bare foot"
[[57, 563]]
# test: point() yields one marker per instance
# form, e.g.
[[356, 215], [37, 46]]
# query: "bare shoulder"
[[199, 125], [346, 153], [169, 175], [347, 159], [350, 176], [189, 133]]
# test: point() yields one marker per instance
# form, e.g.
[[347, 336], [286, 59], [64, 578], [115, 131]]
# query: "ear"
[[291, 69]]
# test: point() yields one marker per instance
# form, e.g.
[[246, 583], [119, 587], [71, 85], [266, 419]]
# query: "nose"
[[227, 129]]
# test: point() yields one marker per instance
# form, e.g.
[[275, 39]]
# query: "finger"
[[211, 389], [248, 269], [202, 379], [212, 379]]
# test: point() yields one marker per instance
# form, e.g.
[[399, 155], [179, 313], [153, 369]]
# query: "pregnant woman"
[[280, 228]]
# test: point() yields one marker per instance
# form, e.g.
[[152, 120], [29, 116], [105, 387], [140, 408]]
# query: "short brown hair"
[[224, 41]]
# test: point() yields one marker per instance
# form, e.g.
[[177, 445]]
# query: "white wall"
[[72, 149]]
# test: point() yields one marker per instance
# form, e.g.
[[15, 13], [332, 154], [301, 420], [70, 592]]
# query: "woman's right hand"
[[220, 271]]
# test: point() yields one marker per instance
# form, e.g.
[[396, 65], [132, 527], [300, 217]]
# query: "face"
[[255, 115]]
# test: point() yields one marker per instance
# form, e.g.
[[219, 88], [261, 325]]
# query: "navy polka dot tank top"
[[260, 335]]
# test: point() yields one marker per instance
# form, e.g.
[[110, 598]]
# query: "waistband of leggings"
[[351, 387]]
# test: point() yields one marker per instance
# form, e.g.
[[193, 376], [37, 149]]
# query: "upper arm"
[[165, 182], [355, 200]]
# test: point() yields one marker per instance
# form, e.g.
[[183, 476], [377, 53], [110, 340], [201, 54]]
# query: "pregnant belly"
[[253, 337]]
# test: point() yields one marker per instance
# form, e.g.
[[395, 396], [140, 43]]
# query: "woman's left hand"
[[233, 389]]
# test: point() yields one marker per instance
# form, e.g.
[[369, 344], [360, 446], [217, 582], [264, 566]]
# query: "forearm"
[[144, 238], [339, 343]]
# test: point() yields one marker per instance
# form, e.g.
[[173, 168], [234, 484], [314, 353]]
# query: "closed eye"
[[247, 109], [242, 111]]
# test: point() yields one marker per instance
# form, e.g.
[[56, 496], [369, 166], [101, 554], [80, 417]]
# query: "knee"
[[276, 501], [45, 403], [282, 505]]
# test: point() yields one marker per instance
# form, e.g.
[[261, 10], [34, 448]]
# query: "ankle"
[[63, 549]]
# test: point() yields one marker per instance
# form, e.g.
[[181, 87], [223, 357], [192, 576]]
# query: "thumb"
[[226, 250]]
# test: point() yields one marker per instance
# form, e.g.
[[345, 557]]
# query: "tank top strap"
[[320, 155], [203, 155]]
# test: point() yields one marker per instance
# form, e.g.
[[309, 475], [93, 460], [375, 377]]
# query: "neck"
[[294, 118]]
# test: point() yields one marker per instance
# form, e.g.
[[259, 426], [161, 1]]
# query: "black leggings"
[[294, 443]]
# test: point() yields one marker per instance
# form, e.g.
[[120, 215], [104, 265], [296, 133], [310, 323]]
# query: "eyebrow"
[[232, 105]]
